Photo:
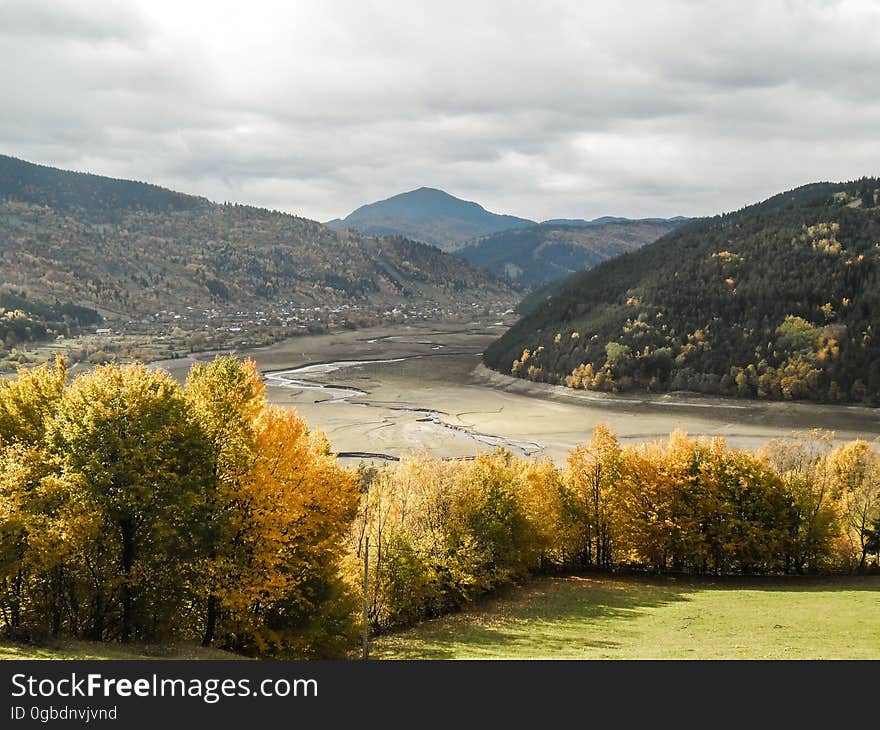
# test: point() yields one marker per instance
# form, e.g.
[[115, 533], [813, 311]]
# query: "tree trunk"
[[127, 530], [96, 630], [211, 620], [15, 599]]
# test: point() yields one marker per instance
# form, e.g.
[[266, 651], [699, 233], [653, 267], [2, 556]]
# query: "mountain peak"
[[430, 215]]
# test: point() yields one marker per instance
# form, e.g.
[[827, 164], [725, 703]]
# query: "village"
[[170, 334]]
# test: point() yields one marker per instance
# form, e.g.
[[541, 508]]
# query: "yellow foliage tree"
[[593, 473], [288, 527], [855, 467], [277, 509]]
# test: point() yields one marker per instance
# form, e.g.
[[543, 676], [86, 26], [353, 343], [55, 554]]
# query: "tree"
[[646, 494], [227, 397], [29, 531], [28, 402], [592, 474], [618, 357], [43, 528], [276, 508], [129, 450], [305, 505], [856, 471], [289, 522], [803, 466]]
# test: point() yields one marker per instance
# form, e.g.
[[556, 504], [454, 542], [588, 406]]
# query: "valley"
[[434, 331], [382, 392]]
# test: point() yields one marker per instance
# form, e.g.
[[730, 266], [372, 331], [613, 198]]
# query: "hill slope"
[[539, 254], [92, 194], [428, 215], [131, 250], [777, 300]]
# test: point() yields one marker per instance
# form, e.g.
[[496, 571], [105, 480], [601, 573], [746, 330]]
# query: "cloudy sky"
[[539, 109]]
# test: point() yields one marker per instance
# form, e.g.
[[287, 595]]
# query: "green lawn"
[[656, 618], [610, 617], [69, 649]]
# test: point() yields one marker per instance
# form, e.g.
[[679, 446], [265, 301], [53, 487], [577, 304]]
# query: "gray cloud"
[[70, 20], [545, 109]]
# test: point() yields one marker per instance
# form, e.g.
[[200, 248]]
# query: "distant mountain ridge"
[[606, 219], [537, 255], [429, 215]]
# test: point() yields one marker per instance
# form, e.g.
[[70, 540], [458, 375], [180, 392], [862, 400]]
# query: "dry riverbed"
[[386, 391]]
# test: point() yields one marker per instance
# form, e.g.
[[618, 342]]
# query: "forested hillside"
[[539, 254], [129, 250], [90, 194], [777, 300]]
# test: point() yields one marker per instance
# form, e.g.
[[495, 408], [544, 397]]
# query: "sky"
[[539, 109]]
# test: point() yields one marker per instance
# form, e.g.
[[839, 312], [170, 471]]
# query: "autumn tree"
[[855, 468], [444, 532], [593, 474], [28, 401], [404, 511], [227, 397], [28, 533], [281, 590], [276, 508], [129, 450], [815, 527], [646, 494]]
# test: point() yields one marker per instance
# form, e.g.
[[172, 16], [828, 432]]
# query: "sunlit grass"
[[69, 649], [601, 617], [663, 618]]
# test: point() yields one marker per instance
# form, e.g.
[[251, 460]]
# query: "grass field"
[[69, 649], [600, 617], [656, 618]]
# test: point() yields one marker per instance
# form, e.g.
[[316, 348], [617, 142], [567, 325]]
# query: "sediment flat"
[[383, 392]]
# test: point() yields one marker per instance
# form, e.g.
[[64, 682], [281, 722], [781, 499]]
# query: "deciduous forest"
[[136, 509]]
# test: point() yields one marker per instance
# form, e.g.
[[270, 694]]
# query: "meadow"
[[608, 617], [632, 617], [74, 649]]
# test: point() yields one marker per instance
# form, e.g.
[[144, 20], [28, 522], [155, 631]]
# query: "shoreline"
[[484, 375], [386, 391]]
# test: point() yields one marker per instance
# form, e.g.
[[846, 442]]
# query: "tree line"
[[444, 532], [23, 320], [133, 508]]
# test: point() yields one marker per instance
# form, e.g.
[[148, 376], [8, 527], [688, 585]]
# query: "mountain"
[[539, 254], [605, 219], [428, 215], [73, 244], [778, 300]]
